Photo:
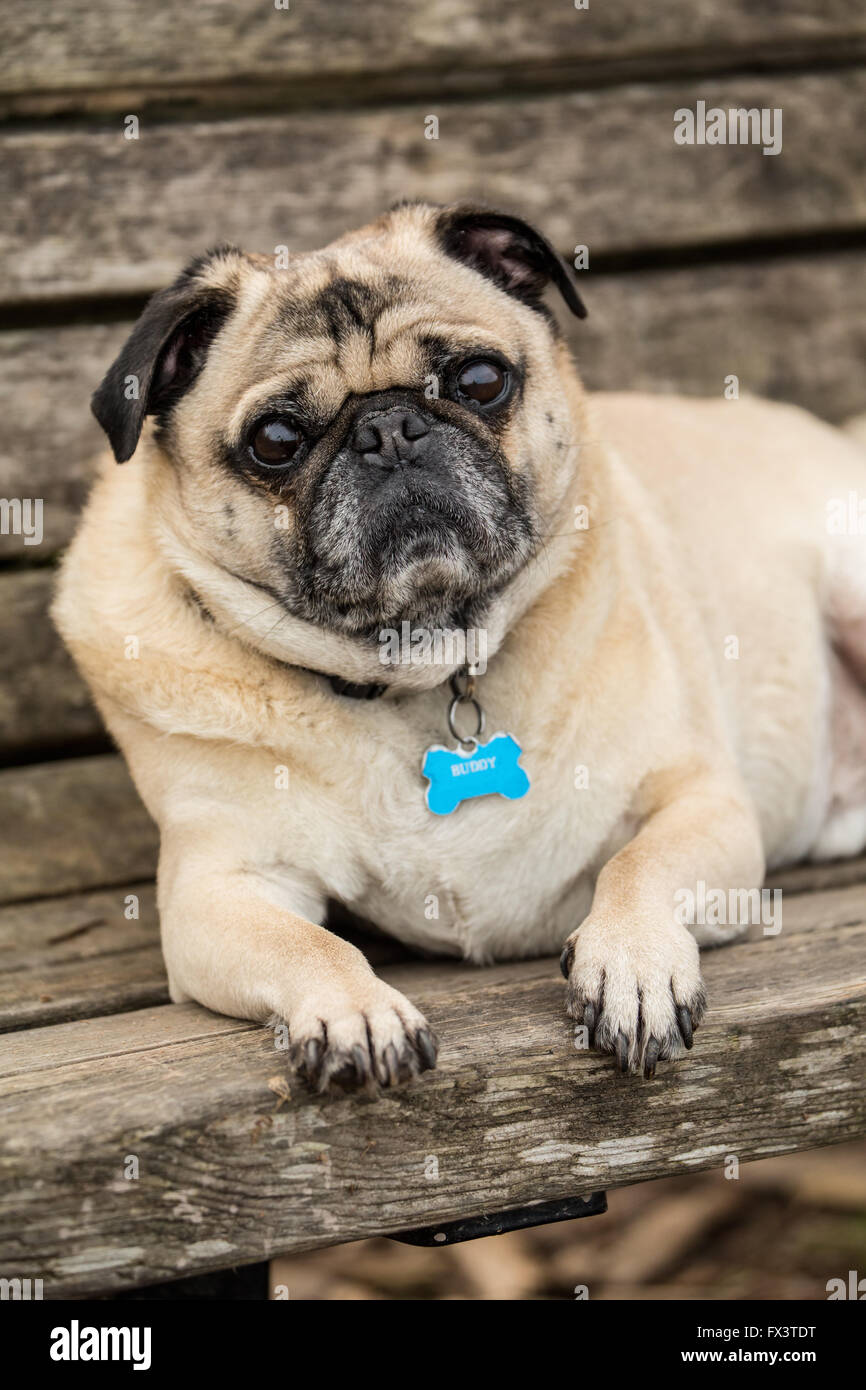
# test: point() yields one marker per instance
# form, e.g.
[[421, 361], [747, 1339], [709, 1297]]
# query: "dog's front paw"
[[360, 1039], [637, 990]]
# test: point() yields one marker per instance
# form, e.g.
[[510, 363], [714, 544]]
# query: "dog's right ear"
[[167, 347]]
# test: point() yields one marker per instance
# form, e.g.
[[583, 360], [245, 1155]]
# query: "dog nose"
[[390, 437]]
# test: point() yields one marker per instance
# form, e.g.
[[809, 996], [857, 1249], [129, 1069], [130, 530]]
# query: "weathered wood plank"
[[818, 878], [94, 45], [72, 825], [139, 1031], [48, 437], [43, 701], [79, 957], [787, 328], [599, 168], [818, 910], [793, 328], [229, 1170], [78, 927], [109, 984]]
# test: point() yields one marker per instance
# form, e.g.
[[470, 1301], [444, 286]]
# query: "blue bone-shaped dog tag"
[[489, 768]]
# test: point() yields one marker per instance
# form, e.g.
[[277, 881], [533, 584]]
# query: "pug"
[[390, 436]]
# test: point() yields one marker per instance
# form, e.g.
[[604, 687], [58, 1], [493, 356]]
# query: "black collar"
[[352, 690]]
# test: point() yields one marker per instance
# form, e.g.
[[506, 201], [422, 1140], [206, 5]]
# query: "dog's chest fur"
[[494, 879]]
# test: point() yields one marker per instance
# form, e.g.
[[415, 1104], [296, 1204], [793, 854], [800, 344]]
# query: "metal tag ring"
[[465, 691], [479, 714]]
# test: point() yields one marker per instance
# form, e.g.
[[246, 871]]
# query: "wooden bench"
[[235, 1161], [140, 1140]]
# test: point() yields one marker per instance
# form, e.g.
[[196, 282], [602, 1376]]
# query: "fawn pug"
[[391, 430]]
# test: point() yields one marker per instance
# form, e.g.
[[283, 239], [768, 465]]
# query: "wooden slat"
[[43, 701], [112, 984], [793, 328], [599, 168], [72, 825], [77, 927], [93, 45], [826, 877], [824, 908], [46, 451], [79, 957], [229, 1172]]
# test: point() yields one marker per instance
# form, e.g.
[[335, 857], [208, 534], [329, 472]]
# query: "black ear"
[[166, 349], [509, 252]]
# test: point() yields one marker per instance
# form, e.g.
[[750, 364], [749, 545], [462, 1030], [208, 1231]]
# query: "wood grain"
[[43, 701], [96, 47], [818, 878], [594, 168], [48, 437], [72, 825], [77, 927], [110, 984], [231, 1171], [793, 328], [80, 956]]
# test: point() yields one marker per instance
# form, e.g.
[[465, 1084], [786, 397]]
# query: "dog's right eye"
[[275, 442]]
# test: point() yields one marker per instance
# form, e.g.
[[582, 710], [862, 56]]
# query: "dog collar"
[[352, 690]]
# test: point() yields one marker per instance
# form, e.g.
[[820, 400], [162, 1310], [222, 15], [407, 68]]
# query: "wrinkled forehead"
[[355, 319]]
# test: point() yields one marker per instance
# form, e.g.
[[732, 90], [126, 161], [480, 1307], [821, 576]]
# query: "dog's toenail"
[[566, 958], [684, 1019]]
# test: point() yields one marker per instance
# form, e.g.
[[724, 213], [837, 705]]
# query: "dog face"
[[378, 432]]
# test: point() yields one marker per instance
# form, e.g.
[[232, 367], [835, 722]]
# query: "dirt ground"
[[780, 1230]]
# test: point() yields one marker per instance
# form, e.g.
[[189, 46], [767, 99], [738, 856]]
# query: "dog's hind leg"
[[843, 833]]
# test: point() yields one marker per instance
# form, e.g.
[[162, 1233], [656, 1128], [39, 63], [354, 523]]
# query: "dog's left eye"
[[275, 442], [482, 381]]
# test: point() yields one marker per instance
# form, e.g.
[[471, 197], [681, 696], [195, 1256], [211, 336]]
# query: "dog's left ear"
[[167, 347], [508, 251]]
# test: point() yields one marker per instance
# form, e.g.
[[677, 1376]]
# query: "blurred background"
[[134, 136], [780, 1231]]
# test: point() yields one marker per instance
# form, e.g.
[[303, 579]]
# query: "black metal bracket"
[[498, 1222]]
